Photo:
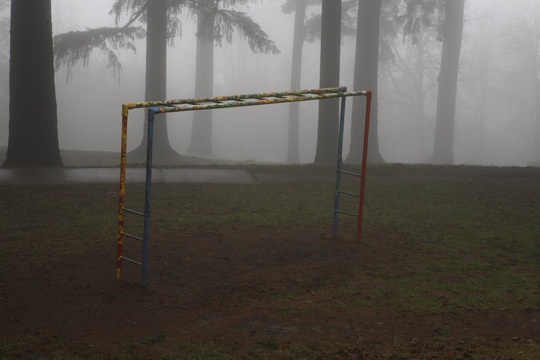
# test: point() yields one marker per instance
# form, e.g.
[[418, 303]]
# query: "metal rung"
[[348, 193], [350, 173], [131, 261], [134, 212], [347, 213], [133, 236]]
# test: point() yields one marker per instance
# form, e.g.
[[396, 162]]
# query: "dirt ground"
[[226, 286]]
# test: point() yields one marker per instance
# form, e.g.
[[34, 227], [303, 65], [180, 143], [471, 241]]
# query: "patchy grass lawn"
[[447, 268]]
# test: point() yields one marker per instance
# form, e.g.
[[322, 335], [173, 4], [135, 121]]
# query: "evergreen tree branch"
[[227, 21], [77, 46]]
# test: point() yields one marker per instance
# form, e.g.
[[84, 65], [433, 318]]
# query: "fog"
[[494, 114]]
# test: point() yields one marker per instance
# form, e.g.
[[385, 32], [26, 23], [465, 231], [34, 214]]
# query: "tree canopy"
[[227, 21]]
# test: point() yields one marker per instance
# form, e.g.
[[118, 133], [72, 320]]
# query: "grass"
[[468, 244]]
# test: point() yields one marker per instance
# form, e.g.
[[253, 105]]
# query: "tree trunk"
[[446, 99], [201, 131], [156, 81], [327, 135], [536, 125], [420, 95], [366, 78], [33, 122], [483, 74], [293, 152]]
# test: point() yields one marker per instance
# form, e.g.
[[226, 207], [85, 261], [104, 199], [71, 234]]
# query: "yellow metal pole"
[[122, 193]]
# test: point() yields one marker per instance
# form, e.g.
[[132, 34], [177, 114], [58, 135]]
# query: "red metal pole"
[[364, 163], [122, 193]]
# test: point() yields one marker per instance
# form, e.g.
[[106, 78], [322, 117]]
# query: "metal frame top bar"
[[219, 102]]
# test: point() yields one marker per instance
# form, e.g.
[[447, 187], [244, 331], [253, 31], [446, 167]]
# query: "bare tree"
[[4, 70], [522, 46], [411, 77], [329, 77], [366, 74], [293, 152], [443, 152], [201, 130], [33, 122], [480, 70]]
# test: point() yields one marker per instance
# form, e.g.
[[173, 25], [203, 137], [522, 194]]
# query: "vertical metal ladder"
[[134, 237], [123, 210], [339, 171]]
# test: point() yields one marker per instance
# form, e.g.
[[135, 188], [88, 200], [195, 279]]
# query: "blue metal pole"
[[339, 164], [147, 196]]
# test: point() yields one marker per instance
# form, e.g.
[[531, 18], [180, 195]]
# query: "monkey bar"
[[220, 102]]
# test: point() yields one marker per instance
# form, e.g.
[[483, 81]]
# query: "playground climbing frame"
[[168, 106]]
